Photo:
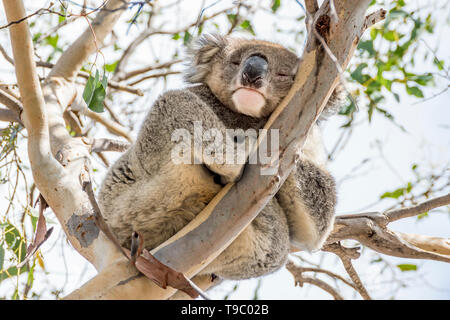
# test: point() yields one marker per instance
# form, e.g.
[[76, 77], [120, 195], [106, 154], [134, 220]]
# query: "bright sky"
[[425, 142]]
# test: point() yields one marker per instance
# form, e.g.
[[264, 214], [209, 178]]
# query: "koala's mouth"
[[251, 90], [249, 101]]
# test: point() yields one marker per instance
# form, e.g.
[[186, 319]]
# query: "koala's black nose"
[[255, 68]]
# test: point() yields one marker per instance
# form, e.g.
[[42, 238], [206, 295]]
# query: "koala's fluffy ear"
[[201, 53]]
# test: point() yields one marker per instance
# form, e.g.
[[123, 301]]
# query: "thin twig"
[[152, 76], [136, 72], [425, 206], [301, 279], [111, 126], [327, 272], [346, 261]]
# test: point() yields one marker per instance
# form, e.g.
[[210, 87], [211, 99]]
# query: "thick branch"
[[9, 116], [311, 6], [431, 244], [370, 229], [33, 115]]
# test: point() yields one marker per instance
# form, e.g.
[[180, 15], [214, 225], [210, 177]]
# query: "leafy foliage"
[[387, 57]]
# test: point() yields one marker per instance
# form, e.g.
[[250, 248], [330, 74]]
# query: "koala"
[[234, 84]]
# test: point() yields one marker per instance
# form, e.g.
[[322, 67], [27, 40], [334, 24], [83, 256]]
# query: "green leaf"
[[422, 215], [53, 41], [358, 75], [414, 91], [373, 33], [186, 38], [34, 221], [111, 67], [37, 36], [176, 36], [246, 25], [407, 267], [394, 194], [275, 5], [231, 18], [367, 46], [376, 260], [11, 272], [409, 187], [95, 92], [422, 79], [391, 35], [88, 91], [2, 256], [396, 96], [15, 242], [30, 278], [439, 64]]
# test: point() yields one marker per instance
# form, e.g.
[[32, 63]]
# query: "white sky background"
[[426, 142]]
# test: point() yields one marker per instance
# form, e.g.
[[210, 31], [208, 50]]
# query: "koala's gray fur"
[[145, 191]]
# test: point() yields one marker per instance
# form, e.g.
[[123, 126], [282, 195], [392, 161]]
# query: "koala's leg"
[[308, 198], [260, 249]]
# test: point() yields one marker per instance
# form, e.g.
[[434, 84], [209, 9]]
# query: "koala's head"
[[247, 76]]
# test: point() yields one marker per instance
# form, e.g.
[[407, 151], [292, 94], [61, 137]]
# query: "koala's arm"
[[308, 197], [183, 110]]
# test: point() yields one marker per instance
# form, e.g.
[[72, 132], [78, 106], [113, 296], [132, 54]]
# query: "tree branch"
[[9, 116], [347, 262], [397, 214], [152, 76], [11, 103], [370, 229], [136, 72], [311, 6], [123, 60], [111, 126], [374, 17], [34, 116], [301, 279]]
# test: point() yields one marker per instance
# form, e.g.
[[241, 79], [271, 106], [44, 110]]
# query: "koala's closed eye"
[[284, 74]]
